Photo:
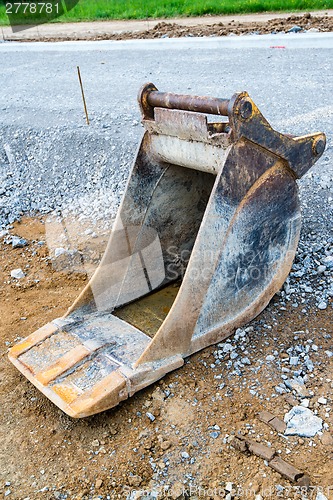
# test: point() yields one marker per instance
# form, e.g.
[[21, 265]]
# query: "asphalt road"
[[38, 79], [54, 157]]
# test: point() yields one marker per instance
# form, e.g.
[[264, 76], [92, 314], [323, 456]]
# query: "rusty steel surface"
[[206, 234], [207, 105], [149, 98]]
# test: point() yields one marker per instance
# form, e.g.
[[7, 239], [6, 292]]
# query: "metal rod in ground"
[[83, 98]]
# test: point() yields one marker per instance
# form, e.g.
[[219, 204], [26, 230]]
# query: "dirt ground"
[[174, 30], [45, 455]]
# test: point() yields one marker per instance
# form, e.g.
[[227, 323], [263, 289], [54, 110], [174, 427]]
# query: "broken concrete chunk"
[[297, 386], [17, 274], [302, 422], [18, 242]]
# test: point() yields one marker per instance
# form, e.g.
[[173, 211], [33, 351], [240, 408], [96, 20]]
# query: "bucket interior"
[[174, 214]]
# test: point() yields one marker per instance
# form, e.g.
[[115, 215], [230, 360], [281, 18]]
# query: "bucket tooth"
[[205, 236]]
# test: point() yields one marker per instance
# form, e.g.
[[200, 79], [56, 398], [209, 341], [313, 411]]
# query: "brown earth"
[[174, 30], [45, 455], [278, 25]]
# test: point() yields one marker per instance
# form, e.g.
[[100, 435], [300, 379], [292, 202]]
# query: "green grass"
[[96, 10]]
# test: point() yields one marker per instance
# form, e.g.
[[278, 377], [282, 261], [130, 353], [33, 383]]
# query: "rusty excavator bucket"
[[206, 234]]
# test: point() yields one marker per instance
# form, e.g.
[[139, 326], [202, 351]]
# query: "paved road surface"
[[42, 121]]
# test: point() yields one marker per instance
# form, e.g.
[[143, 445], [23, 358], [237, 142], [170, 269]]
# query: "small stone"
[[228, 486], [18, 242], [227, 347], [59, 251], [297, 386], [291, 400], [309, 365], [158, 395], [150, 416], [322, 401], [328, 261], [17, 274], [270, 357], [293, 361], [329, 353], [295, 29], [302, 422], [176, 491], [185, 455], [320, 496], [327, 439], [98, 484], [280, 390], [322, 305], [165, 445], [95, 443], [214, 434], [134, 480]]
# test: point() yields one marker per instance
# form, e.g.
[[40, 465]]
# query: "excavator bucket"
[[206, 234]]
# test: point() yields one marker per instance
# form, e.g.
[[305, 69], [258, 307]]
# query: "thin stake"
[[83, 98]]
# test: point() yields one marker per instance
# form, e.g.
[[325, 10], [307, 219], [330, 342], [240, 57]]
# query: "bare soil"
[[173, 30], [45, 455]]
